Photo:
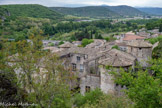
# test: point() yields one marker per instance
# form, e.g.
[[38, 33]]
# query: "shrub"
[[61, 42], [115, 47], [91, 97], [85, 42]]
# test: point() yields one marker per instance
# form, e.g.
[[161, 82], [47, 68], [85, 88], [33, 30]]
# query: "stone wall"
[[92, 81], [107, 84], [142, 54]]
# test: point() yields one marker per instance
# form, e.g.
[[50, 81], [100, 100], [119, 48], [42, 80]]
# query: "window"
[[78, 59], [88, 88], [73, 66], [81, 68]]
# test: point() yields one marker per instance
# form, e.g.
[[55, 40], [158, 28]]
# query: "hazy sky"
[[141, 3]]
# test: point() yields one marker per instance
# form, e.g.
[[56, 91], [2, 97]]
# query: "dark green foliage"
[[20, 38], [143, 88], [98, 36], [61, 42], [82, 34], [3, 12], [0, 45], [157, 51], [160, 28], [91, 97], [32, 10], [154, 24], [48, 29], [154, 40], [10, 92]]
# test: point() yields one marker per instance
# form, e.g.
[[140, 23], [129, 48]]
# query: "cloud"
[[148, 3]]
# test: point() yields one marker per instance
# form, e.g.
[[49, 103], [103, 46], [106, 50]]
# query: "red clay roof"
[[132, 37]]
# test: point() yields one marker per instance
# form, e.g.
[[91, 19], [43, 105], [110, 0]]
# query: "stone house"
[[85, 62], [129, 37], [90, 64], [115, 59], [66, 45], [142, 50]]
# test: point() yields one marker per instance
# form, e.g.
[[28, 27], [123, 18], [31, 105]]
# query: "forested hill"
[[126, 10], [3, 12], [153, 11], [31, 10], [89, 11], [100, 11]]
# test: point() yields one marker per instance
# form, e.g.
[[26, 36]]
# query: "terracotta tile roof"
[[132, 37]]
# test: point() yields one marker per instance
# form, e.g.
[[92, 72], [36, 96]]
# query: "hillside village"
[[99, 56], [89, 63]]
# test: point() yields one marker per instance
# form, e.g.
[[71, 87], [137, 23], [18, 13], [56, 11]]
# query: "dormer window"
[[73, 66]]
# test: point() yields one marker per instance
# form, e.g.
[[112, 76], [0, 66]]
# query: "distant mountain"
[[102, 11], [150, 10], [126, 10], [89, 11], [31, 10]]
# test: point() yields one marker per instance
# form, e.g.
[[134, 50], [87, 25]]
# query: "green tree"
[[10, 90], [97, 99], [143, 89], [156, 53], [160, 28]]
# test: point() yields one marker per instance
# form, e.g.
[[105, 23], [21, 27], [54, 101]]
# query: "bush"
[[115, 47], [97, 99], [61, 42], [154, 40], [111, 38], [111, 101], [85, 42], [91, 97], [51, 44]]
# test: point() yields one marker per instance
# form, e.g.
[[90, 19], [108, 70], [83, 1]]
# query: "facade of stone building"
[[114, 59], [142, 50], [89, 64]]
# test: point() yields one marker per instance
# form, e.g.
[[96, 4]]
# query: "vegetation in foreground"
[[143, 88]]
